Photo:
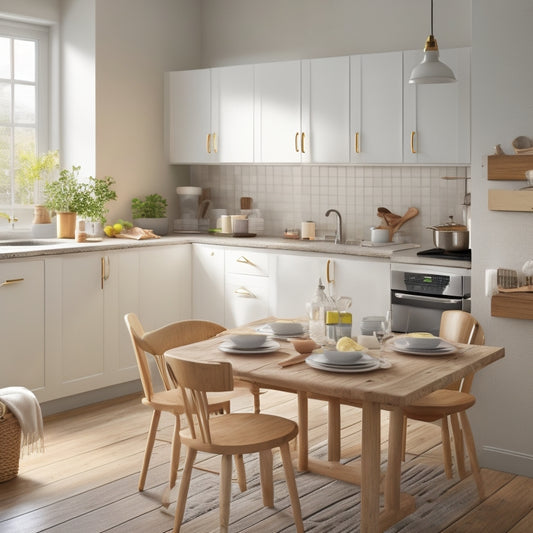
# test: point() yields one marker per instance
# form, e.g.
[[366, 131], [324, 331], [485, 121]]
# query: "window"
[[23, 108]]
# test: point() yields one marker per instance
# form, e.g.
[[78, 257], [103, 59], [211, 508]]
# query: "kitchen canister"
[[225, 223], [308, 231]]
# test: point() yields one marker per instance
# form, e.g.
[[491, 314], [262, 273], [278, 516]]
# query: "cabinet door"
[[208, 283], [233, 114], [165, 285], [188, 116], [22, 325], [376, 108], [246, 299], [326, 110], [367, 282], [277, 112], [437, 116]]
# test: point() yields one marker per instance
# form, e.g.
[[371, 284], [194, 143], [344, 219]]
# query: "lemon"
[[117, 227], [108, 230], [346, 344]]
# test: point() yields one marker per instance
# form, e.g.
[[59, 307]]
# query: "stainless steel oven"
[[420, 294]]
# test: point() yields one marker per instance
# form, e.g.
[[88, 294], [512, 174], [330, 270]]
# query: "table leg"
[[370, 466], [303, 432], [394, 463], [334, 430]]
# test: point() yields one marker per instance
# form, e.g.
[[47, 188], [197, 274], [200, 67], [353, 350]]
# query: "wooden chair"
[[452, 402], [227, 435], [156, 342]]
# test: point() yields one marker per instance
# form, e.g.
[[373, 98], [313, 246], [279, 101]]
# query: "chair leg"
[[241, 472], [257, 403], [184, 489], [291, 485], [446, 447], [149, 447], [471, 447], [225, 492], [459, 445], [267, 477], [175, 453]]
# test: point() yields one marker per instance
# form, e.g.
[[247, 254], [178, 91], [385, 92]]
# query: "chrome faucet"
[[338, 234]]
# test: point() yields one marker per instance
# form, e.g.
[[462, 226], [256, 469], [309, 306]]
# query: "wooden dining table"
[[408, 378]]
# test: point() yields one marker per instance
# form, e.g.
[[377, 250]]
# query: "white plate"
[[334, 357], [229, 347], [344, 369], [268, 330], [269, 343], [444, 348]]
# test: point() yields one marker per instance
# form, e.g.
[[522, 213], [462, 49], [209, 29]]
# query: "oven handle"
[[415, 297]]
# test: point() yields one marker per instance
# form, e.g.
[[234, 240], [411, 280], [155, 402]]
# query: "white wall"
[[249, 31], [31, 10], [502, 78]]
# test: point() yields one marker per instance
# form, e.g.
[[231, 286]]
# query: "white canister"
[[225, 223], [379, 235], [308, 231]]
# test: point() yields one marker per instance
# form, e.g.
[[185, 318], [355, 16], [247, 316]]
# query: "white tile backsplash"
[[289, 194]]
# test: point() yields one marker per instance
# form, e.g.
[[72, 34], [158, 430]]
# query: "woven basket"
[[9, 444]]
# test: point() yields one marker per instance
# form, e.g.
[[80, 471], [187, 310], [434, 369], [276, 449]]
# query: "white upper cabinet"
[[326, 110], [278, 112], [210, 115], [188, 102], [437, 116], [376, 108]]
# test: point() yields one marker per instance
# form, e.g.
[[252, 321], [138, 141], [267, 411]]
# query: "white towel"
[[24, 405]]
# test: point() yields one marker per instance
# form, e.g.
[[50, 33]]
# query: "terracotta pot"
[[66, 225]]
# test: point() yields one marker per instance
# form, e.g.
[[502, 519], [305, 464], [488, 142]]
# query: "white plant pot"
[[158, 225]]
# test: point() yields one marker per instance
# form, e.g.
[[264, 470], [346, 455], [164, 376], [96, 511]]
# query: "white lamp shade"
[[431, 70]]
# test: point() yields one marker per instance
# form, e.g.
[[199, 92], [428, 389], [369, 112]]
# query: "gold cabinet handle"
[[215, 143], [303, 143], [243, 259], [413, 151], [208, 143], [243, 292], [296, 141], [357, 147], [330, 278], [11, 281], [104, 270]]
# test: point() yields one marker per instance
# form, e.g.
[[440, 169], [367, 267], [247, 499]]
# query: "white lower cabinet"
[[22, 361], [246, 299], [366, 281], [208, 283], [88, 294]]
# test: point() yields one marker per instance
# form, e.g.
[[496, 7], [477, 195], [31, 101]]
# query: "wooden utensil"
[[395, 222]]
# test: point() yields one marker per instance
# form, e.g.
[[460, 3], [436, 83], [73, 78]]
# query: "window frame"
[[41, 35]]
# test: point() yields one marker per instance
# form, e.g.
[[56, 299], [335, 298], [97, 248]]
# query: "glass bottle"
[[316, 310]]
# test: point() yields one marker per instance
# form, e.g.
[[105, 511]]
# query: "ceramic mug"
[[379, 235]]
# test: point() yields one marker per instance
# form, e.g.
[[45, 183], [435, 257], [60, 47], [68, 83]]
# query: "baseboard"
[[506, 460], [90, 397]]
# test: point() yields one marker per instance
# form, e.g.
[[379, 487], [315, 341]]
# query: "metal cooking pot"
[[451, 236]]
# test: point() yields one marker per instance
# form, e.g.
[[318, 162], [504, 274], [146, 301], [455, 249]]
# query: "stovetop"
[[463, 255]]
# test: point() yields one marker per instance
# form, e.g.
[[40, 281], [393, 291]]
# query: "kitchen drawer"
[[247, 262], [246, 299]]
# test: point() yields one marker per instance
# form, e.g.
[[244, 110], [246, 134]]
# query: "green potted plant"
[[150, 213], [94, 210], [33, 172]]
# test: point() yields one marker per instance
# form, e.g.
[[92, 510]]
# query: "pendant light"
[[431, 70]]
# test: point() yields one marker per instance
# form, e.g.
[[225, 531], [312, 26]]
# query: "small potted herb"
[[150, 213]]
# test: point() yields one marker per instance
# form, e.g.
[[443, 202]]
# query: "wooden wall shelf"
[[508, 167], [506, 200], [517, 305]]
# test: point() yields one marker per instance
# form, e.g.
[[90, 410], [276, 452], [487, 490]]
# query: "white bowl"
[[248, 341], [286, 327], [339, 358], [421, 343], [379, 235]]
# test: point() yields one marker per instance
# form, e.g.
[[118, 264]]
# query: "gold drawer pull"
[[244, 260], [215, 143], [208, 143], [296, 141], [243, 292], [357, 147], [303, 143], [413, 151], [11, 281]]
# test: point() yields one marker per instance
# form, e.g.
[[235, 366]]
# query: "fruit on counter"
[[117, 227], [420, 335], [347, 344]]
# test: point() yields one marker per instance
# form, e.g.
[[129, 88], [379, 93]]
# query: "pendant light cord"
[[431, 17]]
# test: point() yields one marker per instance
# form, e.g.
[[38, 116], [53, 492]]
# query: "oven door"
[[417, 312]]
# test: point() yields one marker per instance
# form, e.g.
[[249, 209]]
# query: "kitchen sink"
[[28, 242]]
